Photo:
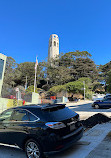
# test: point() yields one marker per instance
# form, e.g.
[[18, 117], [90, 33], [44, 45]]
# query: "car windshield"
[[106, 99]]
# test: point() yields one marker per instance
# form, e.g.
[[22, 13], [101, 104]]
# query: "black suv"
[[40, 129]]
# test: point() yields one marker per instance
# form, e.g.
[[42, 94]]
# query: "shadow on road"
[[67, 153], [11, 152]]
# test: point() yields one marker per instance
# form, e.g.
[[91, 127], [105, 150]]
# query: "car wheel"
[[96, 106], [33, 149]]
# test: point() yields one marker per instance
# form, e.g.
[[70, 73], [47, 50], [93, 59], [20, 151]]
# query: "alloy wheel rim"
[[96, 106], [33, 150]]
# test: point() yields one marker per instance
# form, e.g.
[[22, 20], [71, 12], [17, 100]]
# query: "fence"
[[54, 100], [16, 94]]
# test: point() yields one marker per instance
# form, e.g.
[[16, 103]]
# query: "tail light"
[[55, 125]]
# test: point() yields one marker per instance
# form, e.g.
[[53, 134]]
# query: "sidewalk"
[[103, 150], [88, 145], [94, 137], [79, 102]]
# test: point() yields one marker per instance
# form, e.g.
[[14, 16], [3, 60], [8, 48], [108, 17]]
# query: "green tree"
[[74, 87], [9, 77], [70, 67], [84, 67], [27, 69], [10, 72], [68, 59], [108, 82], [58, 75], [104, 75], [56, 89], [31, 89], [98, 87], [104, 71]]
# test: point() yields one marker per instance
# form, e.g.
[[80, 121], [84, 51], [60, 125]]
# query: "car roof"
[[39, 106]]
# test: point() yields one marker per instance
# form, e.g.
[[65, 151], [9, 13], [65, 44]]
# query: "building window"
[[54, 43]]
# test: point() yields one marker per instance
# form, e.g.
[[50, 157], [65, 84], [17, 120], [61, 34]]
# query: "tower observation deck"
[[53, 49]]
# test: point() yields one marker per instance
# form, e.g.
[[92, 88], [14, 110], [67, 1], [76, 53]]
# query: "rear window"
[[54, 114]]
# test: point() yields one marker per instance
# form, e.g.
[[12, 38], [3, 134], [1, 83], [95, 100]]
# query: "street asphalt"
[[85, 110]]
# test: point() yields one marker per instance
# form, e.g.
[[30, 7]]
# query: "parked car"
[[105, 103], [107, 96], [97, 97], [40, 129]]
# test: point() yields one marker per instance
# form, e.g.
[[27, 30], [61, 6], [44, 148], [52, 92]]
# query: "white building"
[[2, 69], [53, 49]]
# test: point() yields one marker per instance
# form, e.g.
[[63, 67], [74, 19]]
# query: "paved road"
[[11, 152], [84, 109]]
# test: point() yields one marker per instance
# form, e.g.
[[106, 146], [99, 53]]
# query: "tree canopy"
[[69, 69]]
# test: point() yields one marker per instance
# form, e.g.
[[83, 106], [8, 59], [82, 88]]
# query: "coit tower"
[[53, 49]]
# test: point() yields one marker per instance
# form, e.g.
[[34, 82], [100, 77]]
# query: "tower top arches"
[[53, 48]]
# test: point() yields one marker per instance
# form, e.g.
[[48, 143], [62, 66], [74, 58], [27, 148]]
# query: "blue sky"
[[26, 25]]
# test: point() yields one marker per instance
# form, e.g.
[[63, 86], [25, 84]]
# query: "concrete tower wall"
[[53, 49]]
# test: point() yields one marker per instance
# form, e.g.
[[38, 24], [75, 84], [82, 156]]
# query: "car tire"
[[96, 106], [33, 149]]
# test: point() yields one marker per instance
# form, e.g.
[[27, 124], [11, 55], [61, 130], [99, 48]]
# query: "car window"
[[6, 115], [54, 115], [20, 115], [109, 99], [32, 117]]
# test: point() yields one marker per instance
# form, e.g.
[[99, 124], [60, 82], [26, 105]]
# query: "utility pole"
[[26, 83], [35, 80], [36, 64], [17, 95], [47, 81], [84, 89]]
